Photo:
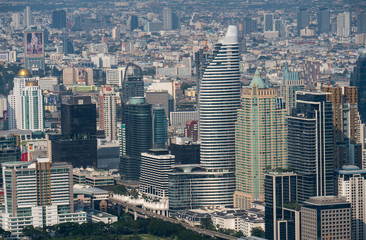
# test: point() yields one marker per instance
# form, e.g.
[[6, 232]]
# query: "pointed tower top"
[[257, 80]]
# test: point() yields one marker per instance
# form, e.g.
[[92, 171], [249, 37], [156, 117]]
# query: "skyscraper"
[[260, 135], [160, 128], [32, 110], [311, 144], [361, 22], [167, 18], [358, 79], [323, 16], [303, 19], [268, 22], [344, 24], [59, 19], [352, 185], [322, 217], [280, 189], [37, 194], [133, 22], [108, 112], [34, 52], [219, 102], [138, 134], [28, 18]]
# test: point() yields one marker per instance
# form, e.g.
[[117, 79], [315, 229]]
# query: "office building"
[[290, 84], [358, 79], [170, 19], [219, 102], [303, 19], [114, 76], [185, 152], [37, 194], [344, 24], [323, 16], [14, 99], [77, 142], [249, 25], [155, 166], [59, 19], [161, 98], [67, 46], [133, 22], [15, 20], [260, 134], [324, 217], [28, 18], [310, 143], [138, 134], [160, 128], [180, 119], [345, 124], [108, 112], [268, 22], [34, 49], [352, 185], [361, 22], [116, 34], [311, 72], [280, 192], [32, 109], [75, 76]]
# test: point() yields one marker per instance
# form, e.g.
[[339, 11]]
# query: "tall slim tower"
[[160, 127], [344, 24], [219, 101], [28, 19], [303, 19], [108, 112], [323, 20], [358, 80], [32, 112], [260, 141], [167, 19]]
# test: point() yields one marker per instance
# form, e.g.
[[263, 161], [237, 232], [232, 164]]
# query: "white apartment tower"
[[344, 24], [32, 110], [28, 20], [107, 112], [352, 185]]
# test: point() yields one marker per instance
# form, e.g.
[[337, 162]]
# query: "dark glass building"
[[160, 127], [311, 145], [358, 80], [138, 137], [134, 22], [77, 142], [59, 19], [186, 153], [303, 19], [9, 149], [323, 20], [280, 190]]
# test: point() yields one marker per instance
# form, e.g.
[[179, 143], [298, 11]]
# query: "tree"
[[238, 234], [257, 232]]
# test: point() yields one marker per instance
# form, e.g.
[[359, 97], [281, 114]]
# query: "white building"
[[352, 185], [31, 202], [32, 110], [107, 112], [344, 24], [28, 18], [114, 76]]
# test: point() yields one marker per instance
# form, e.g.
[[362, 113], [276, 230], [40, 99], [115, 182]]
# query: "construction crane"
[[329, 64]]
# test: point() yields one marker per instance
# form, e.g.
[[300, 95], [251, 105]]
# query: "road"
[[168, 219]]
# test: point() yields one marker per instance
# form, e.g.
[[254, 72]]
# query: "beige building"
[[326, 218], [75, 76]]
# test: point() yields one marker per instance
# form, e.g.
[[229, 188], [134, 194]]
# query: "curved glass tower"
[[219, 102]]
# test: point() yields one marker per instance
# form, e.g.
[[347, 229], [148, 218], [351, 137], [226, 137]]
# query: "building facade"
[[32, 107], [358, 79], [108, 112]]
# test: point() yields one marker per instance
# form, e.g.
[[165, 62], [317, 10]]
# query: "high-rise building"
[[34, 52], [77, 143], [219, 102], [345, 124], [311, 72], [67, 45], [155, 166], [32, 109], [15, 20], [160, 127], [185, 152], [303, 19], [28, 18], [352, 185], [260, 135], [268, 22], [249, 25], [310, 143], [160, 98], [358, 79], [170, 19], [326, 217], [191, 130], [116, 34], [133, 22], [361, 22], [280, 190], [323, 16], [59, 19], [37, 194], [82, 76], [14, 99], [138, 134], [290, 84], [108, 112], [344, 24]]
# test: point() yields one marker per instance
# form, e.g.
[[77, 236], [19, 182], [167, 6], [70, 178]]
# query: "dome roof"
[[24, 73]]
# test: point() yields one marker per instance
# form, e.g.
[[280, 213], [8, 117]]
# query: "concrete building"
[[260, 134], [75, 76], [28, 18], [180, 119], [344, 24], [322, 217], [108, 112], [28, 202], [352, 185], [32, 109]]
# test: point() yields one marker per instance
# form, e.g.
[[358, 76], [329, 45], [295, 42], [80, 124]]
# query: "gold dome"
[[24, 73]]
